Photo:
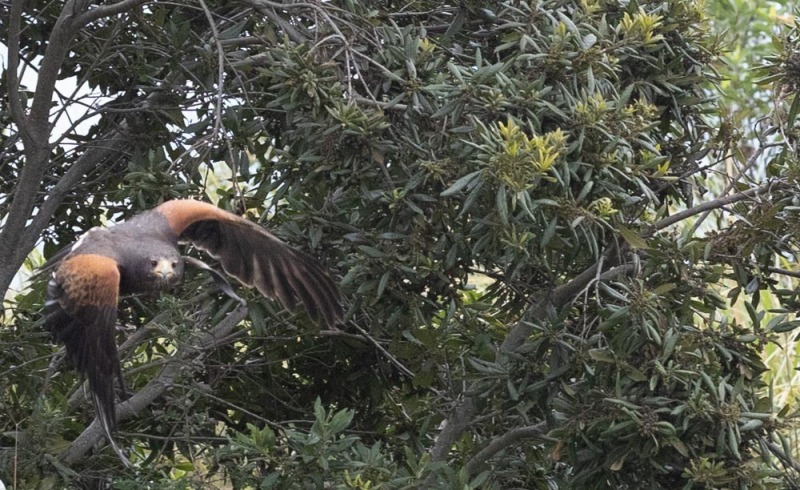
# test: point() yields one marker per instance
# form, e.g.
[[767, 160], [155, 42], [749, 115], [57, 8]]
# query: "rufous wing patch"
[[88, 280], [181, 213]]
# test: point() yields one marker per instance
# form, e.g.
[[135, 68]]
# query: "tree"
[[539, 288]]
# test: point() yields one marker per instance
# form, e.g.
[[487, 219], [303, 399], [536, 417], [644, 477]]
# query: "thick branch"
[[58, 47], [273, 16], [92, 158], [511, 437], [14, 103], [34, 130], [109, 10], [135, 405], [458, 421], [560, 296]]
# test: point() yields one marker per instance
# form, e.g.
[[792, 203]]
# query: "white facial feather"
[[82, 238]]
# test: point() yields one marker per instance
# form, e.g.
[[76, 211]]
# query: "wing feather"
[[283, 290], [81, 310], [256, 258]]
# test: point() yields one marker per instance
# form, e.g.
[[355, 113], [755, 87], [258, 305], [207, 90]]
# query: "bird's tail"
[[107, 422]]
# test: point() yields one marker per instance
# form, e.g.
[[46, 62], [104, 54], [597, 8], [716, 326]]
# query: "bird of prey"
[[142, 255]]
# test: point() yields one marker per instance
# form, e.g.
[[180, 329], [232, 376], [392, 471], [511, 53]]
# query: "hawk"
[[141, 255]]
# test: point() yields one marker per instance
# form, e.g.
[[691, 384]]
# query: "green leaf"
[[624, 403], [549, 232], [664, 288], [632, 238], [502, 204], [382, 285], [341, 420], [602, 355], [461, 183], [372, 251], [786, 326]]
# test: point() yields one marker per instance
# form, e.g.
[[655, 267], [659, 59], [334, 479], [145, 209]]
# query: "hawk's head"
[[164, 270], [150, 267]]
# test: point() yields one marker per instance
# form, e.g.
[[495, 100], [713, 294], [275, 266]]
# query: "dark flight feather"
[[81, 312], [258, 259]]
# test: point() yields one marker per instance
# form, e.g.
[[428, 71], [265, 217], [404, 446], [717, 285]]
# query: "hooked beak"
[[164, 269]]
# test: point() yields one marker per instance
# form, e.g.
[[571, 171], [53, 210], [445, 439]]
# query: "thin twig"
[[716, 203], [386, 353], [15, 105], [16, 455], [220, 68], [239, 408], [785, 272]]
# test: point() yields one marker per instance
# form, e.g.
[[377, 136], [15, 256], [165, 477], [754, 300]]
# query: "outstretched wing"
[[81, 310], [256, 257]]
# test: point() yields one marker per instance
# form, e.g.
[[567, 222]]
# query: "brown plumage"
[[142, 255]]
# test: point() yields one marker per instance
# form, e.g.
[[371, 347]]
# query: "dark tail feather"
[[106, 417]]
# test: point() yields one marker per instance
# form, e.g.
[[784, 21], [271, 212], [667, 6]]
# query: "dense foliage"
[[544, 225]]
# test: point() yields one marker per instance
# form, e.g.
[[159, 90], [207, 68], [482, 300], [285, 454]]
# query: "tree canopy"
[[563, 258]]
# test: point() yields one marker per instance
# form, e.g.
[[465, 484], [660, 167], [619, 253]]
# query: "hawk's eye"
[[153, 262], [174, 264]]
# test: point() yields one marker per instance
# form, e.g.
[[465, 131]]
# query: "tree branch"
[[58, 47], [92, 158], [785, 272], [558, 298], [498, 444], [278, 20], [35, 131], [715, 204], [109, 10], [749, 164], [220, 70], [786, 459], [12, 73], [459, 419]]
